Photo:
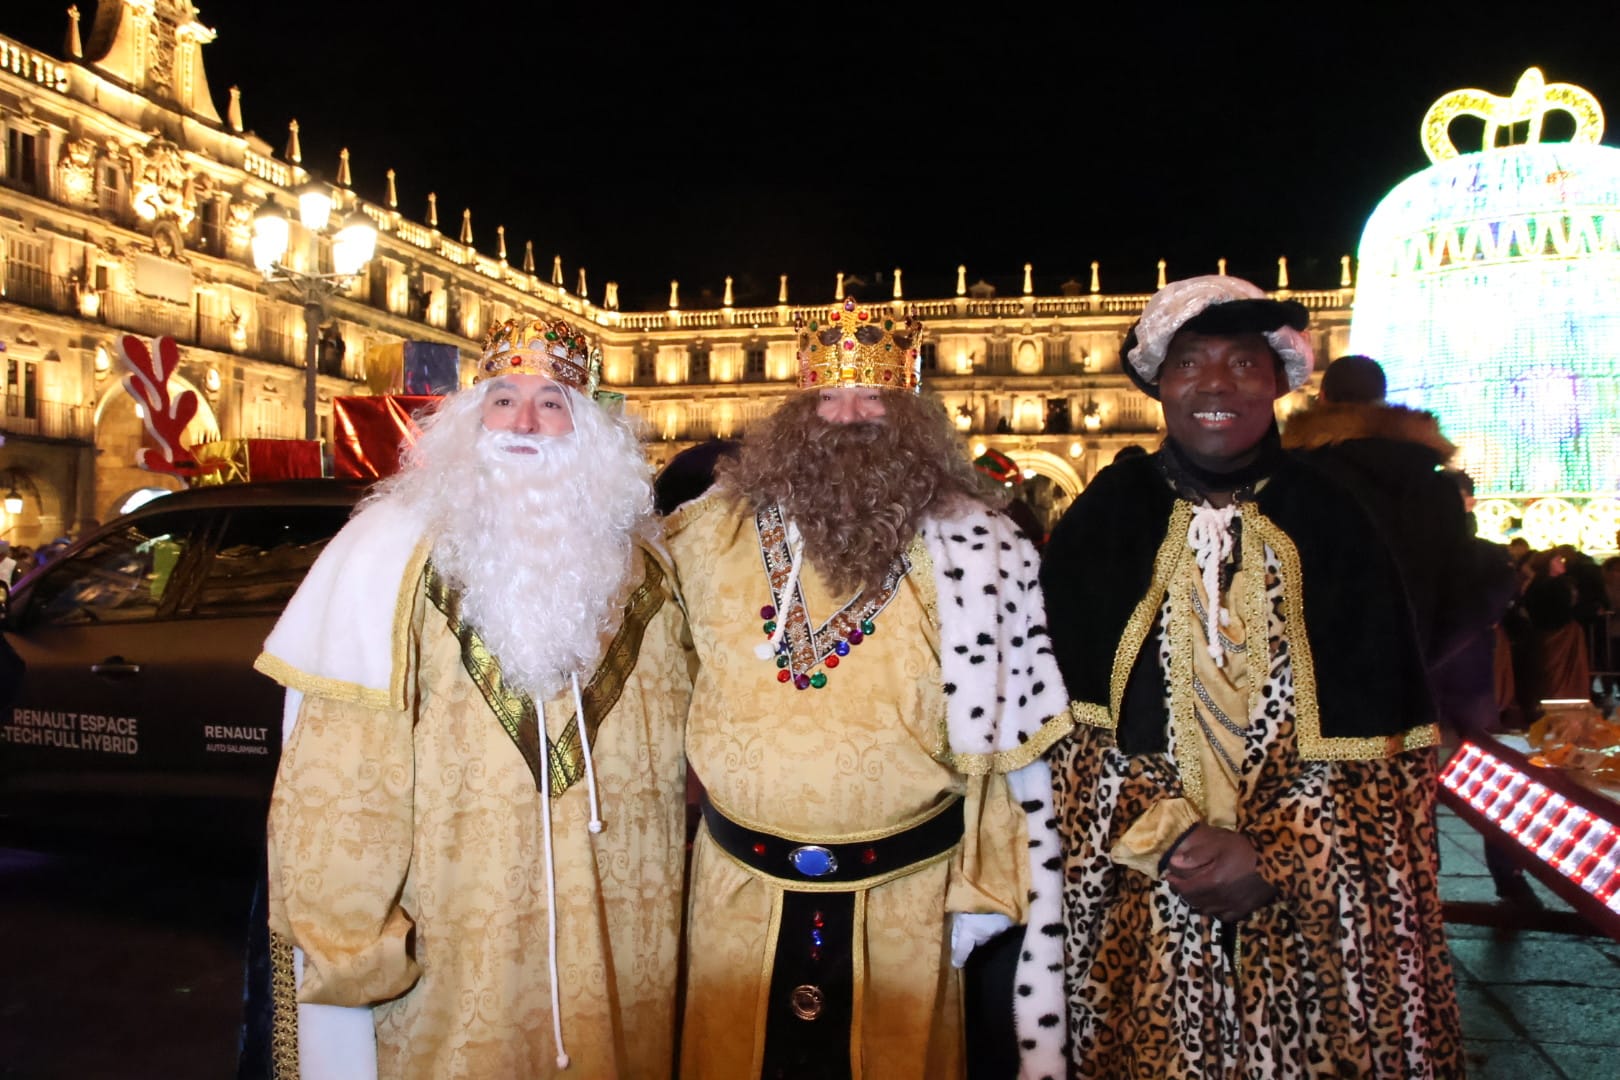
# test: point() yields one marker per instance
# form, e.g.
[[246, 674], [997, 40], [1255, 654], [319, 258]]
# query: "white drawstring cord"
[[767, 649], [551, 908], [1210, 535], [585, 751]]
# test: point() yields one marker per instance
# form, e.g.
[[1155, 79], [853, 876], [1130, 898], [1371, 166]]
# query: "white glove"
[[970, 931]]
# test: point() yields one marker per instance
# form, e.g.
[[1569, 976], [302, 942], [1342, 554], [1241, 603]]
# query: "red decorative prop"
[[147, 381]]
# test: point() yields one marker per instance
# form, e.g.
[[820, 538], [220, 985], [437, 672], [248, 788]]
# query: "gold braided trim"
[[767, 971], [1312, 744], [848, 838], [1006, 761], [319, 685], [516, 711], [394, 697], [283, 1010], [1091, 714], [857, 961], [1183, 714], [1170, 552]]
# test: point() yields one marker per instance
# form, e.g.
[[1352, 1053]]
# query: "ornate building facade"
[[126, 206]]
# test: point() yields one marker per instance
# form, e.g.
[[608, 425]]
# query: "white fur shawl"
[[1005, 707]]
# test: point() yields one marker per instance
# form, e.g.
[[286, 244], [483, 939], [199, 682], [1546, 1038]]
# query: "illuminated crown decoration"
[[859, 346], [555, 349], [1486, 289], [1532, 99]]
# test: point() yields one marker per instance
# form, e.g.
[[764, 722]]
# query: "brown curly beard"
[[858, 492]]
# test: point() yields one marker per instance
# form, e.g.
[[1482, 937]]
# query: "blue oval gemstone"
[[812, 861]]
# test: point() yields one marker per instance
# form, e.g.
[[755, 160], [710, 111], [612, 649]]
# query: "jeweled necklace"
[[795, 646]]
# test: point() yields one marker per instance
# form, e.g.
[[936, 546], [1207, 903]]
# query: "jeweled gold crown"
[[556, 349], [860, 346]]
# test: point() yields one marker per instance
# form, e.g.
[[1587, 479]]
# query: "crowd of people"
[[1153, 799]]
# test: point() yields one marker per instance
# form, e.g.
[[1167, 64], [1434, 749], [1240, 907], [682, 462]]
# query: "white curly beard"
[[540, 546]]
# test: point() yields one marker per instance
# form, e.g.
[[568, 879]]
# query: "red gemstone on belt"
[[759, 849], [869, 856]]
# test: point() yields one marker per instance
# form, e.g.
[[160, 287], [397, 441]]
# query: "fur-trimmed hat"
[[1216, 304]]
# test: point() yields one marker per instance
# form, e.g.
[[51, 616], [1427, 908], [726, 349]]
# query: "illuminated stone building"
[[127, 203]]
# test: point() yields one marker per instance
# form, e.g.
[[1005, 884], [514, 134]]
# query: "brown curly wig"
[[858, 492]]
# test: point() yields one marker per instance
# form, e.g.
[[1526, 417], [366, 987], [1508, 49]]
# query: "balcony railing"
[[48, 419]]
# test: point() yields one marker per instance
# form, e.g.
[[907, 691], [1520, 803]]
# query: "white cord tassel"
[[585, 751], [1210, 536], [551, 912], [767, 649]]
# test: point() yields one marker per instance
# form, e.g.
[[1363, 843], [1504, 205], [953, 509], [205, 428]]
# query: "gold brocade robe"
[[406, 860], [857, 756]]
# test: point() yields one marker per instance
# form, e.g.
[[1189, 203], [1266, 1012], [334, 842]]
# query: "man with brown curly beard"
[[873, 697]]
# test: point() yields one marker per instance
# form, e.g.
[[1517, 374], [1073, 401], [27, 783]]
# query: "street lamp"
[[352, 247]]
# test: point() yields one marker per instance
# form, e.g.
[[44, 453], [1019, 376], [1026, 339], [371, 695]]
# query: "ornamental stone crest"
[[161, 186]]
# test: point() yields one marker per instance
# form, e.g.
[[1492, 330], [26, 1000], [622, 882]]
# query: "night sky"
[[776, 139]]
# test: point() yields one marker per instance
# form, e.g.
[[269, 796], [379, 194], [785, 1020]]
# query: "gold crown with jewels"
[[853, 345], [553, 348]]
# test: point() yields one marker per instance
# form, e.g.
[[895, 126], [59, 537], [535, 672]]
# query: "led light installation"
[[1569, 838], [1489, 288]]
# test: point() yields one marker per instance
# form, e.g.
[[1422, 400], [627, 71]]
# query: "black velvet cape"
[[1098, 565]]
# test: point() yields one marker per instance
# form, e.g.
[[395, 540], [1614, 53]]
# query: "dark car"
[[138, 708]]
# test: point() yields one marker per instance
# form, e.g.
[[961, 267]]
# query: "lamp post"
[[353, 244]]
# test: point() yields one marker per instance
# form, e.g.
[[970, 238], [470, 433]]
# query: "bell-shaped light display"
[[354, 244], [270, 235], [14, 502], [314, 206]]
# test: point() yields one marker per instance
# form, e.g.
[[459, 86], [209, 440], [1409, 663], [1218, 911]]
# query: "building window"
[[998, 355], [697, 365], [646, 367], [754, 362], [213, 227], [22, 389], [22, 163], [930, 356], [1057, 353]]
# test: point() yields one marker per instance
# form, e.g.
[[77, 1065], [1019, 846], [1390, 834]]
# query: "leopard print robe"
[[1345, 974]]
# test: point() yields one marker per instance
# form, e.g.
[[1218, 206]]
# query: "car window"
[[262, 556], [121, 577]]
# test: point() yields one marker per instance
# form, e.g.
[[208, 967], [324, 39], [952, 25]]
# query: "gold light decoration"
[[1529, 103]]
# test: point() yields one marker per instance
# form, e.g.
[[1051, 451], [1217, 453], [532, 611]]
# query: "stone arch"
[[1054, 468], [120, 433]]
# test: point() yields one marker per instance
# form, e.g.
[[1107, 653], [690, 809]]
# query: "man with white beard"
[[475, 841]]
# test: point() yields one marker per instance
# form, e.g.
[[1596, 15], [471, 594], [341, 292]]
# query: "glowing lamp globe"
[[1489, 289]]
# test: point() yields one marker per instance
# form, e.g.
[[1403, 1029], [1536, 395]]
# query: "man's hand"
[[1214, 870]]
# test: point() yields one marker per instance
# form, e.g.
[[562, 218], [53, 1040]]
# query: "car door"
[[225, 715], [82, 739]]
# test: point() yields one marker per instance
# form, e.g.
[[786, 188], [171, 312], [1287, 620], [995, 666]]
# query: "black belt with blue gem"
[[829, 866], [812, 992]]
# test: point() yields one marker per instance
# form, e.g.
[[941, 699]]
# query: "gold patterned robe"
[[859, 755], [406, 859]]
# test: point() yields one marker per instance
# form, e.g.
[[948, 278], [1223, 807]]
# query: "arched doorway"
[[1049, 484], [120, 434]]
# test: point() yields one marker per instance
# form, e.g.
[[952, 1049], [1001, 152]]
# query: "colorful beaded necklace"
[[800, 647]]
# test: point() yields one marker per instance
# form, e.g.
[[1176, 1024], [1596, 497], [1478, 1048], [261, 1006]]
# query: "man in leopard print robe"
[[1246, 805]]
